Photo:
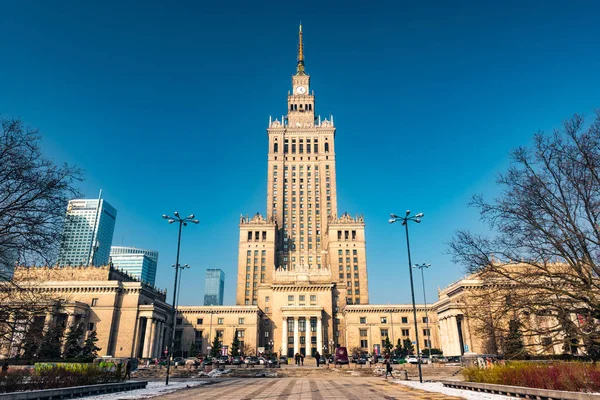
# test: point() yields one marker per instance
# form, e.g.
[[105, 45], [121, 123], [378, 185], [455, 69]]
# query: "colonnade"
[[296, 334], [153, 337]]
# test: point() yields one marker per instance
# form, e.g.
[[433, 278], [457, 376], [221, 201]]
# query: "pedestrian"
[[128, 370], [302, 359], [5, 367], [388, 368], [297, 358], [318, 357]]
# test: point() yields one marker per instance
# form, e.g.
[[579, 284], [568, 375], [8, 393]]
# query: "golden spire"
[[300, 52]]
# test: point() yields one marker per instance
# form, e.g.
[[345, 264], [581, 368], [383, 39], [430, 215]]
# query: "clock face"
[[301, 89]]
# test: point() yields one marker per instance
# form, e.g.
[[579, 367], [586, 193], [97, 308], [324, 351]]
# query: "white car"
[[412, 359], [262, 360]]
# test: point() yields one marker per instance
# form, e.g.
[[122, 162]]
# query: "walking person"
[[302, 359], [318, 357], [297, 358], [128, 370], [388, 368]]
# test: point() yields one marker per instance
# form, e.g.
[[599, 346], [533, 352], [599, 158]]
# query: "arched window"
[[326, 147], [276, 148]]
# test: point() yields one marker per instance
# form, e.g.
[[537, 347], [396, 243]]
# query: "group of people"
[[299, 358]]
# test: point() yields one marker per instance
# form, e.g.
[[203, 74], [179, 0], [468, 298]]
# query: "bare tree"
[[545, 235], [34, 193]]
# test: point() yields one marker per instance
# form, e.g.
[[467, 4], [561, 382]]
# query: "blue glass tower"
[[213, 287]]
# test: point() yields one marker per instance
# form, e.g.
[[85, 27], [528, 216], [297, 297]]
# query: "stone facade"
[[129, 317]]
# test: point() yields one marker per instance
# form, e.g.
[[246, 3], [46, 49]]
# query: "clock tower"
[[301, 103]]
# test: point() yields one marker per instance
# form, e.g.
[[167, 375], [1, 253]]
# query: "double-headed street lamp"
[[405, 220], [421, 267], [182, 222]]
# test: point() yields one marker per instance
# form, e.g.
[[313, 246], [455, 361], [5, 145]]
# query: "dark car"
[[223, 360], [322, 360], [237, 360], [361, 360], [252, 360], [354, 358], [453, 359], [283, 360], [207, 361], [272, 362], [341, 356]]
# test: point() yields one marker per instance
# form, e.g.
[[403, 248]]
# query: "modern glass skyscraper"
[[137, 262], [213, 287], [88, 232]]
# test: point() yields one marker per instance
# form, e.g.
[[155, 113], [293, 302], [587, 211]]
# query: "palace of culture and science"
[[302, 281]]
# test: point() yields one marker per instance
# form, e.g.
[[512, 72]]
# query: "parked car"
[[283, 360], [381, 359], [341, 356], [439, 359], [398, 360], [331, 359], [207, 361], [223, 360], [237, 360], [262, 360], [412, 359], [178, 361], [362, 360], [322, 360], [354, 358], [252, 360], [453, 359]]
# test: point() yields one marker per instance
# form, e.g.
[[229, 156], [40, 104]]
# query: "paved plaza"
[[304, 389]]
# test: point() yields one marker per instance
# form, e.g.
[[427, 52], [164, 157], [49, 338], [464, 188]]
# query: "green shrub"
[[574, 377], [50, 376]]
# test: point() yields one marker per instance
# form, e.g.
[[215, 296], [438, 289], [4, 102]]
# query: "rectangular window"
[[384, 333], [301, 298], [426, 332], [384, 320], [94, 302], [219, 321], [363, 320], [199, 321], [363, 332], [313, 297], [425, 320], [240, 321], [405, 332], [90, 326], [405, 320], [179, 321], [364, 343], [291, 298]]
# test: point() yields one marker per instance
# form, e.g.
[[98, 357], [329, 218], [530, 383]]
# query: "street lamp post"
[[421, 266], [271, 343], [182, 222], [405, 220], [331, 343]]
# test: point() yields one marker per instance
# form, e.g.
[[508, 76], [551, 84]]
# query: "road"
[[303, 389]]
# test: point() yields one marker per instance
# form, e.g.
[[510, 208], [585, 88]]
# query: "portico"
[[302, 330]]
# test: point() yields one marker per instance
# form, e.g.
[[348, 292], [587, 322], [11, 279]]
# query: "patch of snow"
[[217, 372], [465, 394], [152, 389]]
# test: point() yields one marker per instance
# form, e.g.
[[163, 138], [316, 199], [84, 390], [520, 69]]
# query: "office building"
[[88, 233], [213, 287], [139, 263]]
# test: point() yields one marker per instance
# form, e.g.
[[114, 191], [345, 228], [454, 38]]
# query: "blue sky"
[[165, 106]]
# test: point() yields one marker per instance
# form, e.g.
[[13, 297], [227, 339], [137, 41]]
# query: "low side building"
[[366, 326], [130, 318]]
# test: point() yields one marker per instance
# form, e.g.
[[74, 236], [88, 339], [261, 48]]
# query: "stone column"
[[145, 353], [138, 337], [161, 339], [455, 342], [307, 345], [320, 335], [284, 339], [155, 338], [296, 336]]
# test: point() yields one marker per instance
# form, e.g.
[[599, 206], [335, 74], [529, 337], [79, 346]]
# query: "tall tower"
[[301, 263], [87, 233]]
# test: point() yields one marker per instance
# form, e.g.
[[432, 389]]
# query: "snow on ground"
[[465, 394], [153, 389]]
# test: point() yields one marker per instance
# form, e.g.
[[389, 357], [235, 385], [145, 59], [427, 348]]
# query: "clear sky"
[[165, 106]]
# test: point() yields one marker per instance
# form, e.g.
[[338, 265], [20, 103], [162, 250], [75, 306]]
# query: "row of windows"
[[300, 147], [220, 321], [384, 320], [257, 235]]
